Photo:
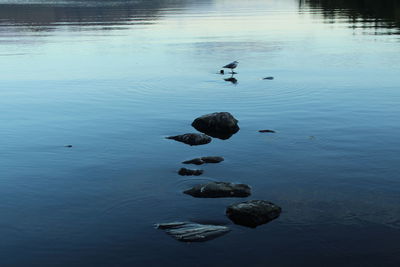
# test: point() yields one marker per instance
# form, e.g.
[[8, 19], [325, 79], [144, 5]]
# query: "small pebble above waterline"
[[188, 172], [219, 189], [192, 139], [202, 160], [253, 213], [193, 232]]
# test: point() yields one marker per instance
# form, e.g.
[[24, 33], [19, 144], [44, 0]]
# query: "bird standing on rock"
[[231, 66]]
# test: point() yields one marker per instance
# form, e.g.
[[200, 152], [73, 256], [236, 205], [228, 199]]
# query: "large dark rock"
[[193, 232], [219, 189], [202, 160], [219, 124], [192, 139], [253, 213], [188, 172]]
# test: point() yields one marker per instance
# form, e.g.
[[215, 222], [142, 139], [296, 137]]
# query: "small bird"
[[231, 65]]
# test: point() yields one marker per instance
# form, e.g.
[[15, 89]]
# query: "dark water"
[[113, 78]]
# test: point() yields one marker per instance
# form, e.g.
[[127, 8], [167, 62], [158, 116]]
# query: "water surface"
[[113, 78]]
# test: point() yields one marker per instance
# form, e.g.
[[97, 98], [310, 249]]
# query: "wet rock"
[[213, 159], [219, 124], [192, 139], [253, 213], [219, 189], [202, 160], [196, 161], [268, 78], [68, 146], [193, 232], [267, 131], [188, 172], [221, 72]]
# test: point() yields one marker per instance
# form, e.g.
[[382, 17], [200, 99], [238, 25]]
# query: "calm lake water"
[[113, 78]]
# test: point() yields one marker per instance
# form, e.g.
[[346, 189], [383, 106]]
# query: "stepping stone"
[[192, 139], [188, 172], [202, 160], [219, 189], [253, 213], [221, 125], [193, 232]]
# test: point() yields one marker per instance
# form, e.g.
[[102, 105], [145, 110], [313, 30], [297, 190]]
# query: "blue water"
[[113, 78]]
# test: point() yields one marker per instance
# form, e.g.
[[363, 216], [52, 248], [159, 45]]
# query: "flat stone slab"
[[188, 172], [219, 124], [219, 189], [192, 139], [193, 232], [253, 213], [202, 160]]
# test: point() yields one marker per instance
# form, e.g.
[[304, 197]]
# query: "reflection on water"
[[103, 15], [113, 78], [231, 79], [41, 15], [383, 15]]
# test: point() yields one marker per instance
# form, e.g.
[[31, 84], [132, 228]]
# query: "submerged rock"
[[268, 78], [187, 172], [219, 189], [219, 124], [202, 160], [192, 139], [267, 131], [253, 213], [193, 232]]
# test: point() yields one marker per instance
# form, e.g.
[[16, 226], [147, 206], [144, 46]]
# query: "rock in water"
[[219, 124], [193, 232], [253, 213], [202, 160], [219, 189], [197, 161], [187, 172], [192, 139], [215, 159], [266, 131]]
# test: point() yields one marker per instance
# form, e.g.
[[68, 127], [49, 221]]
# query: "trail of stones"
[[251, 213]]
